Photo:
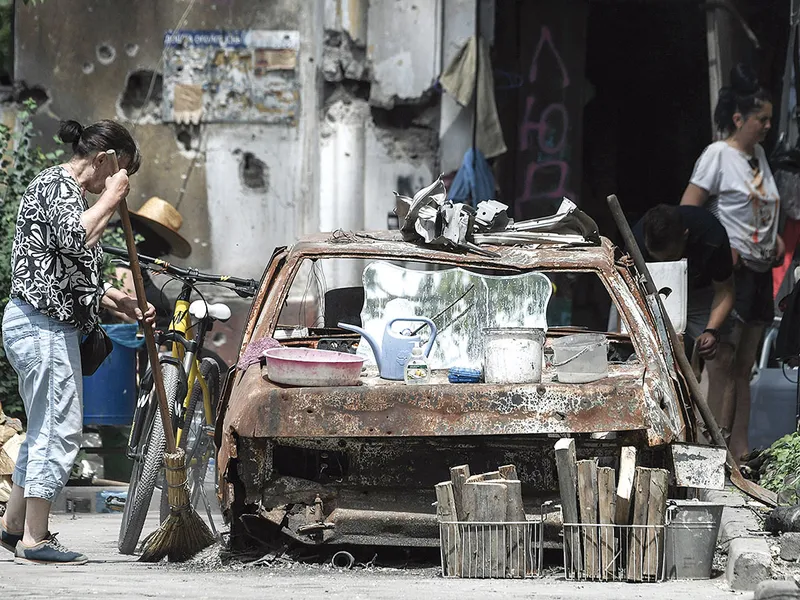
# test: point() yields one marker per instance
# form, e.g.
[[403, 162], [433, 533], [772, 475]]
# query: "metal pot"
[[513, 355]]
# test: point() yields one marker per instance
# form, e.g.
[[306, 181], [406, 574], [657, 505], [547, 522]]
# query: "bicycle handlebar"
[[243, 287]]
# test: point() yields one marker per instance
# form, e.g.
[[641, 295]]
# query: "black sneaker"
[[48, 552], [8, 540]]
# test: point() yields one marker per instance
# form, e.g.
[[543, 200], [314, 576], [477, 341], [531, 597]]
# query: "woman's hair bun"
[[744, 80], [70, 132]]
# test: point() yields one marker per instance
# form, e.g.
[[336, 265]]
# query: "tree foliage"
[[21, 162]]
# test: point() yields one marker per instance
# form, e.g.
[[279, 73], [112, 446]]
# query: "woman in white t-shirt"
[[733, 178]]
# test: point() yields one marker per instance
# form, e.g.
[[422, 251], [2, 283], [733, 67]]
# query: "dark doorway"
[[636, 106], [637, 103], [647, 115]]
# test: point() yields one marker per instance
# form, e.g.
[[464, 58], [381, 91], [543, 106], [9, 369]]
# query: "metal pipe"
[[343, 560]]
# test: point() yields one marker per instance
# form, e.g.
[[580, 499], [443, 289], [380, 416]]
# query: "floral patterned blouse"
[[52, 269]]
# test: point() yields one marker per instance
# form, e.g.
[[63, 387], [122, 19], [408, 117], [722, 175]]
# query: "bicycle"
[[189, 379]]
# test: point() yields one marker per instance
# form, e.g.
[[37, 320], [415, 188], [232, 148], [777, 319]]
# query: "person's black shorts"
[[754, 303]]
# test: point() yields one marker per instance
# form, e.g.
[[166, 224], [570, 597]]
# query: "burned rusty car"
[[358, 464]]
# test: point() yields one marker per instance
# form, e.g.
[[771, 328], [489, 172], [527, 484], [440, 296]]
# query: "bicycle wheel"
[[198, 443], [147, 466]]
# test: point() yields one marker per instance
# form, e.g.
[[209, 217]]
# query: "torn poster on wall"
[[230, 76]]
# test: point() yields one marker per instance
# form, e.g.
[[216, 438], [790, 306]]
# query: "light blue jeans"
[[45, 353]]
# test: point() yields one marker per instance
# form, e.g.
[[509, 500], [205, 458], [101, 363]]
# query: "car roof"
[[390, 245]]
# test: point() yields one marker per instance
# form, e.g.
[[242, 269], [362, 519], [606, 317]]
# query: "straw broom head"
[[183, 534]]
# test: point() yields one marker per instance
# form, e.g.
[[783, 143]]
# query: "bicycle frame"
[[181, 324], [186, 341]]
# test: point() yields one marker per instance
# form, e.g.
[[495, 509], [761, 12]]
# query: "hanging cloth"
[[458, 80], [471, 186]]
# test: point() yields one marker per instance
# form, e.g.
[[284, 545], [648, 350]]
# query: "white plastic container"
[[513, 355], [581, 358], [416, 371]]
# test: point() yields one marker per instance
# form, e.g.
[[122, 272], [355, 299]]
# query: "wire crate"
[[602, 552], [482, 550]]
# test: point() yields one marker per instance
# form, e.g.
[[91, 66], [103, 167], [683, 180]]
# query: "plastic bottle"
[[416, 370]]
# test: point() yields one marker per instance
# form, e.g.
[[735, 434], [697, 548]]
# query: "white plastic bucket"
[[513, 355], [581, 358]]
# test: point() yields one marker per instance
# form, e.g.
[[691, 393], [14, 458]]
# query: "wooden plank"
[[450, 539], [508, 472], [627, 467], [607, 505], [519, 561], [656, 513], [458, 476], [587, 501], [486, 546], [568, 489], [641, 497]]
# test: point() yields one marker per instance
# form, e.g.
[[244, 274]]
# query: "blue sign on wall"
[[204, 38]]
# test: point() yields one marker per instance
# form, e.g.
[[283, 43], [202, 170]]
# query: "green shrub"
[[21, 162], [781, 471]]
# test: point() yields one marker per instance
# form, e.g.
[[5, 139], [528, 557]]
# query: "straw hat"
[[160, 217]]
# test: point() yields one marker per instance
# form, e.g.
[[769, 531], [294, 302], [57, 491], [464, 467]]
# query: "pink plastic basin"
[[307, 367]]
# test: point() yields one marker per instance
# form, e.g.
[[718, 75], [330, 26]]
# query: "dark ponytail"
[[102, 136], [70, 133], [744, 95]]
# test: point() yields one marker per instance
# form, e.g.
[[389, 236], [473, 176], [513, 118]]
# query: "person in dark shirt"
[[674, 232], [691, 232]]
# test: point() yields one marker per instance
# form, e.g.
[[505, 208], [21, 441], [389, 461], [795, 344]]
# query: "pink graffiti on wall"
[[543, 132]]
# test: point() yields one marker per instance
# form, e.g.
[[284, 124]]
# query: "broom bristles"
[[183, 534]]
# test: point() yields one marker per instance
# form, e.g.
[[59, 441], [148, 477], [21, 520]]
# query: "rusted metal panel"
[[383, 486], [698, 466], [616, 404]]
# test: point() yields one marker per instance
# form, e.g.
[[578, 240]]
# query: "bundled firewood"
[[613, 527], [474, 546]]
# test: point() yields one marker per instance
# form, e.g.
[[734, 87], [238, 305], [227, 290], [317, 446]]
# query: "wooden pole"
[[568, 489], [458, 477], [485, 502], [141, 298], [607, 508], [508, 471], [518, 563], [446, 511], [587, 498], [636, 538], [656, 514], [627, 467]]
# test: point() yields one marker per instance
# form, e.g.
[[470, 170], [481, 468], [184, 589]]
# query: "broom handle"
[[141, 298]]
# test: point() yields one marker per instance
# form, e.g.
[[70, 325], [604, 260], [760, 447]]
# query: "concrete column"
[[341, 191], [455, 125]]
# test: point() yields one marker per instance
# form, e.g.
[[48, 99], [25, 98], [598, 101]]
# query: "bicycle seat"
[[217, 312]]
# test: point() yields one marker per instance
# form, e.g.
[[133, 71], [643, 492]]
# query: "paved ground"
[[112, 576]]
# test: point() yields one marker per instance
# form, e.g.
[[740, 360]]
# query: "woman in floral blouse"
[[56, 294]]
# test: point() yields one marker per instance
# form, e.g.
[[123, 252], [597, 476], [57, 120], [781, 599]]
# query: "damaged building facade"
[[262, 121]]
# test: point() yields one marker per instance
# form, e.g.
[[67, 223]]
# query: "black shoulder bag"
[[95, 348]]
